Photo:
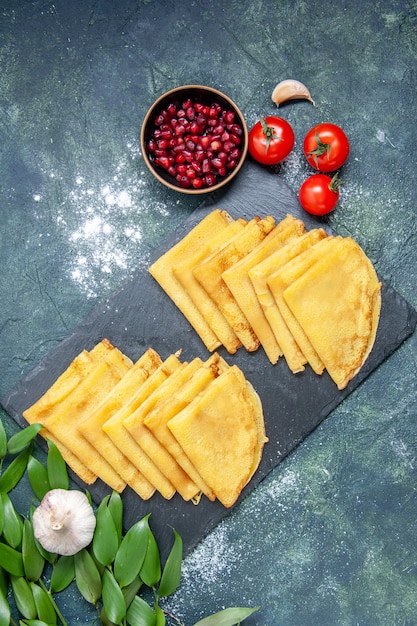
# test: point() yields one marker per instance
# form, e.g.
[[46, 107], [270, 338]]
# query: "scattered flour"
[[101, 221]]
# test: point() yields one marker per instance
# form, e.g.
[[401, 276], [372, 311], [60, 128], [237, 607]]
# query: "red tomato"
[[271, 140], [319, 194], [326, 147]]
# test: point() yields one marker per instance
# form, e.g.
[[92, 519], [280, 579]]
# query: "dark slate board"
[[140, 315]]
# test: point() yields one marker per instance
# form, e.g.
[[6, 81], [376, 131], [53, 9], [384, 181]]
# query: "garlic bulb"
[[64, 522], [290, 89]]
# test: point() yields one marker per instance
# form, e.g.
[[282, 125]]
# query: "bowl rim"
[[151, 167]]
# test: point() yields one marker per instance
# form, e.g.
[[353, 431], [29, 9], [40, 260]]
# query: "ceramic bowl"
[[169, 107]]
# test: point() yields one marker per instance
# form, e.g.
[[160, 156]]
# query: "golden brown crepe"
[[220, 433], [146, 440], [162, 271], [237, 279], [180, 390], [281, 279], [118, 433], [337, 302], [209, 275], [259, 274], [183, 271], [70, 398], [92, 426]]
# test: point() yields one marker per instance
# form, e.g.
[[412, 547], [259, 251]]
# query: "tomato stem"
[[269, 133], [335, 183], [320, 149]]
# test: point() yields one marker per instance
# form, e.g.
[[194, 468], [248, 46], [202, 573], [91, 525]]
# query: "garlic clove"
[[64, 522], [290, 89]]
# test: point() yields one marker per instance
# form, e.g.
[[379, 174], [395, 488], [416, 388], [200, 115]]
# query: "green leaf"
[[160, 616], [227, 617], [131, 553], [113, 600], [4, 582], [171, 575], [151, 569], [33, 622], [130, 591], [57, 468], [11, 560], [105, 539], [21, 439], [3, 441], [4, 610], [13, 525], [38, 477], [33, 561], [87, 576], [1, 519], [23, 597], [116, 509], [63, 574], [140, 613], [44, 607], [15, 471]]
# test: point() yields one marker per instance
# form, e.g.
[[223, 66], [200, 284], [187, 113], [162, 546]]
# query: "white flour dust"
[[101, 221]]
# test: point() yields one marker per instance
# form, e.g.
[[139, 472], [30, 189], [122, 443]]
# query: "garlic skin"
[[64, 522], [290, 89]]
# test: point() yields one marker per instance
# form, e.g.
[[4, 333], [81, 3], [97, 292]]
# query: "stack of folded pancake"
[[168, 426], [311, 297]]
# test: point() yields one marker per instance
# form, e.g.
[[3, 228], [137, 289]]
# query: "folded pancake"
[[183, 271], [115, 429], [70, 398], [222, 433], [337, 302], [281, 279], [63, 423], [259, 274], [237, 279], [92, 426], [62, 387], [162, 271], [209, 275], [180, 391], [146, 440]]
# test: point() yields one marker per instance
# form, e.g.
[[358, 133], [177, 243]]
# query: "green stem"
[[57, 611]]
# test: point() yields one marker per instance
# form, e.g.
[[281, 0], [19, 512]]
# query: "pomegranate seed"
[[210, 179], [160, 153], [204, 142], [183, 181], [190, 173], [151, 145], [190, 113], [205, 166], [180, 158], [172, 171], [229, 117], [217, 163], [231, 164], [222, 170], [197, 167], [235, 138], [181, 113], [181, 168], [171, 109], [216, 145], [197, 183], [159, 120], [187, 103]]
